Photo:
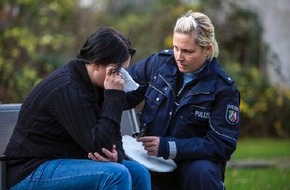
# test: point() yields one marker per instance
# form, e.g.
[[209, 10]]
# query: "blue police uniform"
[[198, 123]]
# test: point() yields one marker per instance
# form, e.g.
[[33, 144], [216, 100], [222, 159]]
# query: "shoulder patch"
[[166, 52], [232, 114]]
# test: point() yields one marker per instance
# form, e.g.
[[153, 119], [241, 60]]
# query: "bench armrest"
[[3, 172]]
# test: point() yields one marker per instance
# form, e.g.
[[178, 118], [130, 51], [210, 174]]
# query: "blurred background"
[[36, 37]]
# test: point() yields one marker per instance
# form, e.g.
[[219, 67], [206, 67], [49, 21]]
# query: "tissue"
[[130, 84]]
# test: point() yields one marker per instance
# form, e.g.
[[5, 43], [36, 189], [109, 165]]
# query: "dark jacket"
[[199, 121], [67, 117]]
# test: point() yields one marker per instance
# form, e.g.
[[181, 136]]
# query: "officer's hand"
[[151, 144]]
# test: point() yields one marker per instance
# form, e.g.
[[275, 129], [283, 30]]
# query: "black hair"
[[132, 50], [106, 46]]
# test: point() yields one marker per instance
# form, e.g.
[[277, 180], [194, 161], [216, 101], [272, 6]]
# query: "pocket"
[[153, 99]]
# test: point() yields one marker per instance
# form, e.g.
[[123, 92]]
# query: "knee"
[[142, 170], [137, 170], [200, 170], [139, 174], [202, 174], [113, 173], [119, 178], [197, 174], [122, 172]]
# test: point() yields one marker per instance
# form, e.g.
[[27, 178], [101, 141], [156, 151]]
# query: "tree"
[[32, 43]]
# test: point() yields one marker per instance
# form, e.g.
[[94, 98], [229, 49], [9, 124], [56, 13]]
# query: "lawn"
[[272, 174]]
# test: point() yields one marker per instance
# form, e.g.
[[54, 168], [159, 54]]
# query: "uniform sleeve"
[[142, 73], [224, 124], [91, 127], [221, 139]]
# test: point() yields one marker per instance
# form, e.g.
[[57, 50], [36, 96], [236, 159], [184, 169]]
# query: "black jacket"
[[68, 118]]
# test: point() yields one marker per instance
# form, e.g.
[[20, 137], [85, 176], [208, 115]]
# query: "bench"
[[8, 118]]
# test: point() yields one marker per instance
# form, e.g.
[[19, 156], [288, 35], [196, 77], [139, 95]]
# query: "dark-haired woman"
[[76, 110]]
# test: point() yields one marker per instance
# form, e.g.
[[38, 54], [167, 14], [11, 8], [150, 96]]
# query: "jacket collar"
[[205, 79]]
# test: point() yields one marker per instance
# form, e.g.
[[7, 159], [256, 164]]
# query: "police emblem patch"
[[232, 114]]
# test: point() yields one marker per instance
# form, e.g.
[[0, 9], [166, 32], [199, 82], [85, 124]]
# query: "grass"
[[276, 176], [258, 179], [262, 149]]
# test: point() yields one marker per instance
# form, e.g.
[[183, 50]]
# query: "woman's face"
[[99, 74], [189, 56], [127, 62]]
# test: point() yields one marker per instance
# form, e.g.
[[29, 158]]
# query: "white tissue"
[[130, 84]]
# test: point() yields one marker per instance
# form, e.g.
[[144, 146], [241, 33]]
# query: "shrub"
[[264, 108]]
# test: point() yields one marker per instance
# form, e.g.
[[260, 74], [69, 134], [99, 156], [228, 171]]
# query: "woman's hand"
[[113, 79], [111, 156], [151, 144]]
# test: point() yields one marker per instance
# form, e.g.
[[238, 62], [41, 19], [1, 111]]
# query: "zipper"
[[179, 92]]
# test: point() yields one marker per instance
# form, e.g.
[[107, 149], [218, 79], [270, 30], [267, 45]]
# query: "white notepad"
[[135, 151]]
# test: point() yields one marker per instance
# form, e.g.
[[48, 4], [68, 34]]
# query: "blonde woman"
[[191, 107]]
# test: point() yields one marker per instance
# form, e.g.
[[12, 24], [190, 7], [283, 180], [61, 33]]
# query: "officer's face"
[[188, 55]]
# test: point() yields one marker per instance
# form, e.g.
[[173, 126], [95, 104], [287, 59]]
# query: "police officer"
[[191, 106]]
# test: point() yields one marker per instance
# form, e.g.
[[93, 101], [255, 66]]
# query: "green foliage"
[[264, 108], [31, 35], [238, 32], [36, 37], [141, 25]]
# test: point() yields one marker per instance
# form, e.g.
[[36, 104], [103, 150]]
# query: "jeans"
[[73, 174]]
